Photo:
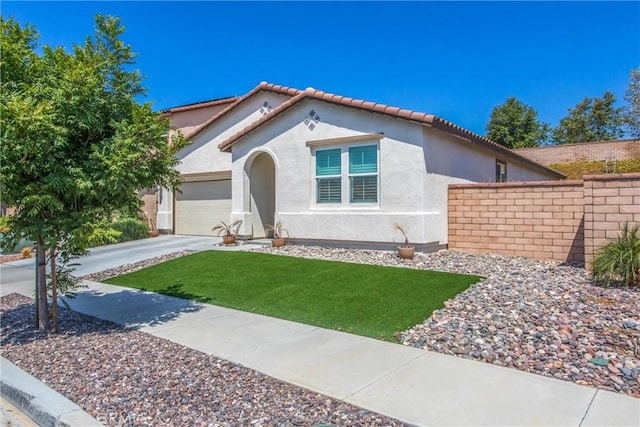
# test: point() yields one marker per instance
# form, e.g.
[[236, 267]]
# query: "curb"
[[41, 403]]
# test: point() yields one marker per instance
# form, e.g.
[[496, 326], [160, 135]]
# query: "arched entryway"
[[262, 190]]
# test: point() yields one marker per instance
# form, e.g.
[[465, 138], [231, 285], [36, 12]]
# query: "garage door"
[[201, 206]]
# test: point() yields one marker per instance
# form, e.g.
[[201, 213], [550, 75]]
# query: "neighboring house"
[[186, 119], [624, 149], [588, 158], [332, 168]]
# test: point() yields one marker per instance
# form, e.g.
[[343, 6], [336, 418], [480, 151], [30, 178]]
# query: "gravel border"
[[122, 376], [541, 317]]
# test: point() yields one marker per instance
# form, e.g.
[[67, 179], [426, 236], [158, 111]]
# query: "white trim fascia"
[[352, 211], [345, 139], [206, 176]]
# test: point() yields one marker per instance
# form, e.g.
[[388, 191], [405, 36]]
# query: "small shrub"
[[224, 229], [5, 224], [67, 284], [26, 252], [619, 260], [131, 229], [577, 169], [103, 234]]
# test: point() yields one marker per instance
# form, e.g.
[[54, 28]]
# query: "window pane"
[[329, 190], [501, 171], [363, 159], [364, 189], [328, 162]]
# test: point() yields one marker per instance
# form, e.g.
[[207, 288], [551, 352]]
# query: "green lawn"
[[362, 299]]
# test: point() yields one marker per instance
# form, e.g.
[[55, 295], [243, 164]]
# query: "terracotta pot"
[[229, 240], [279, 242], [406, 253], [154, 233]]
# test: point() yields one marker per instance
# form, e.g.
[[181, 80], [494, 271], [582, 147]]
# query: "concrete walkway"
[[412, 385]]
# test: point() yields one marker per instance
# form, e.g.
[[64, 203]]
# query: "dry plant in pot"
[[229, 232], [153, 231], [277, 229], [406, 250]]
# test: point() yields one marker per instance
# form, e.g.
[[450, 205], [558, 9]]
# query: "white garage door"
[[201, 206]]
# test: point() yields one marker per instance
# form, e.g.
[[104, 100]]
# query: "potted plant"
[[229, 232], [406, 250], [153, 231], [277, 240]]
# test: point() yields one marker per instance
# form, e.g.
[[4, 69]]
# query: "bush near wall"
[[131, 229], [577, 170]]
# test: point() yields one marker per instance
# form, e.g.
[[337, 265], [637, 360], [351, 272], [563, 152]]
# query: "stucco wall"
[[188, 120], [583, 152], [203, 155], [401, 167], [413, 175], [449, 160]]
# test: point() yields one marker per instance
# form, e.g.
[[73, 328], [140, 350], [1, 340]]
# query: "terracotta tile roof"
[[264, 86], [202, 104], [409, 115]]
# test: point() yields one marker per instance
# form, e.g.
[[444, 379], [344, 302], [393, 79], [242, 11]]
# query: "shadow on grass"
[[176, 291]]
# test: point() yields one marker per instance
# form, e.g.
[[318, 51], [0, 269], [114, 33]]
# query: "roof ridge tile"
[[413, 116], [284, 90]]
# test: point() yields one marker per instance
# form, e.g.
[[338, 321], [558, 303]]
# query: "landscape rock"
[[525, 314]]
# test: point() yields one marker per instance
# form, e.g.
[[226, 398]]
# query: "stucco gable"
[[203, 153], [262, 87], [415, 117]]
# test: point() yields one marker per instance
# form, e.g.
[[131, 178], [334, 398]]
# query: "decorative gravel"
[[130, 268], [536, 316], [126, 377]]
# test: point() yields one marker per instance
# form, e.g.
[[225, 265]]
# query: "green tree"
[[592, 119], [76, 145], [632, 109], [514, 124]]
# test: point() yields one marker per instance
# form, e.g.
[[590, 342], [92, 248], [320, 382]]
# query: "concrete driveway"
[[110, 256]]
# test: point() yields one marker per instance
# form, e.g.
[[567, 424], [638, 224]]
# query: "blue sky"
[[453, 59]]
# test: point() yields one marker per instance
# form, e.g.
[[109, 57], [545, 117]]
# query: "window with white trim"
[[358, 179], [363, 174], [501, 171], [329, 176]]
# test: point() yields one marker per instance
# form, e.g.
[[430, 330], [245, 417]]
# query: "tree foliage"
[[632, 109], [76, 143], [592, 119], [514, 124]]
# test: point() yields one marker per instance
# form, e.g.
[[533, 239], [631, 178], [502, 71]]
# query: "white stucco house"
[[334, 170]]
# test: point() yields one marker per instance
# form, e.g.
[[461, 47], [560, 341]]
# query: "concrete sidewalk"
[[412, 385]]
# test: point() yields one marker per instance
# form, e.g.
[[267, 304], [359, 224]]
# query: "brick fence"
[[583, 152], [552, 220]]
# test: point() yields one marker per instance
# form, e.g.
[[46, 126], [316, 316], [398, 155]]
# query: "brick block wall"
[[542, 220], [610, 201], [556, 220], [583, 152]]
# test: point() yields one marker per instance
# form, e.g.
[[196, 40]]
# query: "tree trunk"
[[41, 303], [37, 312], [54, 290]]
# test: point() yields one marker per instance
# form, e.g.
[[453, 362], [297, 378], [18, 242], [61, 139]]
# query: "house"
[[334, 170], [588, 158], [582, 152]]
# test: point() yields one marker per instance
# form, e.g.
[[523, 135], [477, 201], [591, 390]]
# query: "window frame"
[[352, 175], [500, 177], [327, 177], [345, 176]]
